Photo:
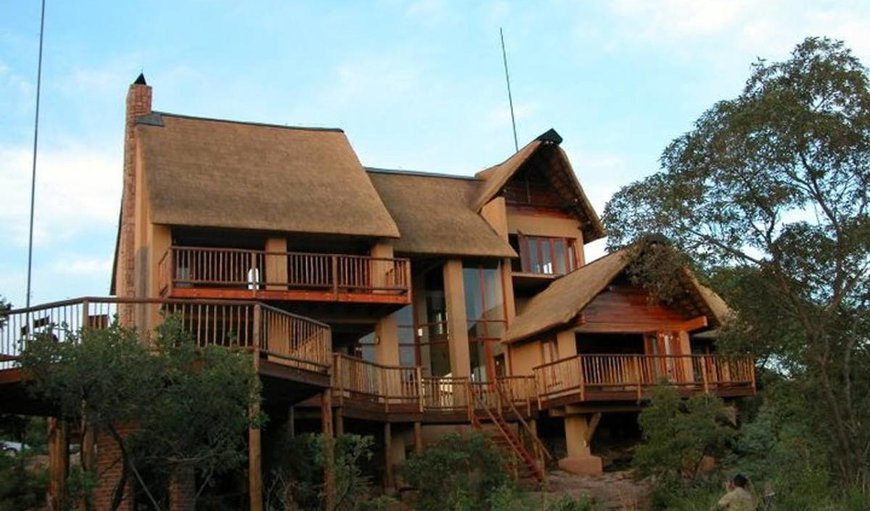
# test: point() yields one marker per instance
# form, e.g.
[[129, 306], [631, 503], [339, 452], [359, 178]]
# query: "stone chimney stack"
[[138, 104]]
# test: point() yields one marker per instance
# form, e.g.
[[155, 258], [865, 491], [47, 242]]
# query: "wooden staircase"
[[528, 465]]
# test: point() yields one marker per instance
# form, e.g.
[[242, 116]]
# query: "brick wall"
[[138, 104], [109, 466]]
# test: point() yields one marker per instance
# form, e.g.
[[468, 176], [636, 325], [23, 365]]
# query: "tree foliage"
[[678, 434], [457, 473], [769, 194], [171, 407]]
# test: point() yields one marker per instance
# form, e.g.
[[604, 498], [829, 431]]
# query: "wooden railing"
[[255, 270], [637, 374], [384, 386], [295, 340], [394, 388]]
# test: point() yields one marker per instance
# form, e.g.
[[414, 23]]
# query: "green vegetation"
[[677, 436], [467, 473], [457, 473], [295, 479], [174, 410], [767, 198]]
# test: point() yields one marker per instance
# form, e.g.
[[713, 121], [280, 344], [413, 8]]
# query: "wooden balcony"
[[223, 273], [285, 346], [374, 391], [597, 378]]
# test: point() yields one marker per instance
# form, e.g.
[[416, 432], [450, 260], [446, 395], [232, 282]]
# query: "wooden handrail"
[[260, 269], [636, 372], [526, 426], [301, 341]]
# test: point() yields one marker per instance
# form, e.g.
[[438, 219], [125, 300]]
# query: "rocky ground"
[[611, 490]]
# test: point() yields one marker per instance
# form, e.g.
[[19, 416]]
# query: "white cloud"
[[80, 265], [737, 29], [677, 19], [76, 188], [501, 117]]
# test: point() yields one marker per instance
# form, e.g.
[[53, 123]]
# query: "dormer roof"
[[544, 154], [565, 298]]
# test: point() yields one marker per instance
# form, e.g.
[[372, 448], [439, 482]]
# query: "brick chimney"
[[138, 104]]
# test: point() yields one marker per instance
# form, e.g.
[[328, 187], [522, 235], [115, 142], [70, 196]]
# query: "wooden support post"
[[255, 453], [593, 425], [388, 463], [291, 422], [704, 375], [58, 463], [339, 423], [419, 375], [329, 450], [637, 362], [418, 438]]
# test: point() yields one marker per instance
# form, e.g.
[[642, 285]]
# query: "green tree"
[[457, 473], [678, 433], [771, 190], [179, 410]]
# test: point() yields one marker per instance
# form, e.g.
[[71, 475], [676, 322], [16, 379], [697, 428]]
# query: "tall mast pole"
[[35, 144], [507, 78]]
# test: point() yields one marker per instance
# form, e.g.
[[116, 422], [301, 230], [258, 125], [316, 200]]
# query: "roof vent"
[[141, 80], [550, 137]]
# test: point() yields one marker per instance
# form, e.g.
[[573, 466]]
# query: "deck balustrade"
[[236, 273], [292, 340], [578, 379], [597, 377]]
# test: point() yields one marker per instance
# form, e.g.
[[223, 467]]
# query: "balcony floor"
[[288, 295]]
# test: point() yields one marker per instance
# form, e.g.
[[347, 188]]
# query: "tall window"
[[484, 306], [544, 255]]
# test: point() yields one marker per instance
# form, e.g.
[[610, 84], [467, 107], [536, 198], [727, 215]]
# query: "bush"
[[20, 487], [677, 434], [458, 473], [295, 479]]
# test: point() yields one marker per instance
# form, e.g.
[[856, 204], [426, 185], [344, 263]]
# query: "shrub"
[[677, 434], [458, 473], [295, 480]]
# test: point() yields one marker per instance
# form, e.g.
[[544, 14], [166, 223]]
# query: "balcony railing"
[[602, 377], [227, 272], [405, 389], [280, 336]]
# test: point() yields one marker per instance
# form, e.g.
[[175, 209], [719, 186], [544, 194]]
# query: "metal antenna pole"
[[35, 142], [507, 78]]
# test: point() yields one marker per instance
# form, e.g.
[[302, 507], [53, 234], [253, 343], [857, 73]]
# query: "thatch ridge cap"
[[419, 173], [248, 123]]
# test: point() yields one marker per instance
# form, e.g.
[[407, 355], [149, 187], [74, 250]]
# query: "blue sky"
[[416, 85]]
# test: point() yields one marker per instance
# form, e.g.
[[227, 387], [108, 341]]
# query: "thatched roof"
[[435, 215], [566, 297], [544, 153], [214, 173]]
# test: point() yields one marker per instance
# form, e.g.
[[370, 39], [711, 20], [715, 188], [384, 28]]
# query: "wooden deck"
[[293, 353], [224, 273], [598, 378], [366, 390]]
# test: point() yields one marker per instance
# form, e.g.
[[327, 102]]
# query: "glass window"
[[559, 256], [546, 257], [549, 256], [484, 305], [533, 265]]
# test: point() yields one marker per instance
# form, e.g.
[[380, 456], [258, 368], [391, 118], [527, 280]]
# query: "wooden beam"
[[255, 452], [388, 463], [418, 438], [329, 450], [58, 463], [593, 425]]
